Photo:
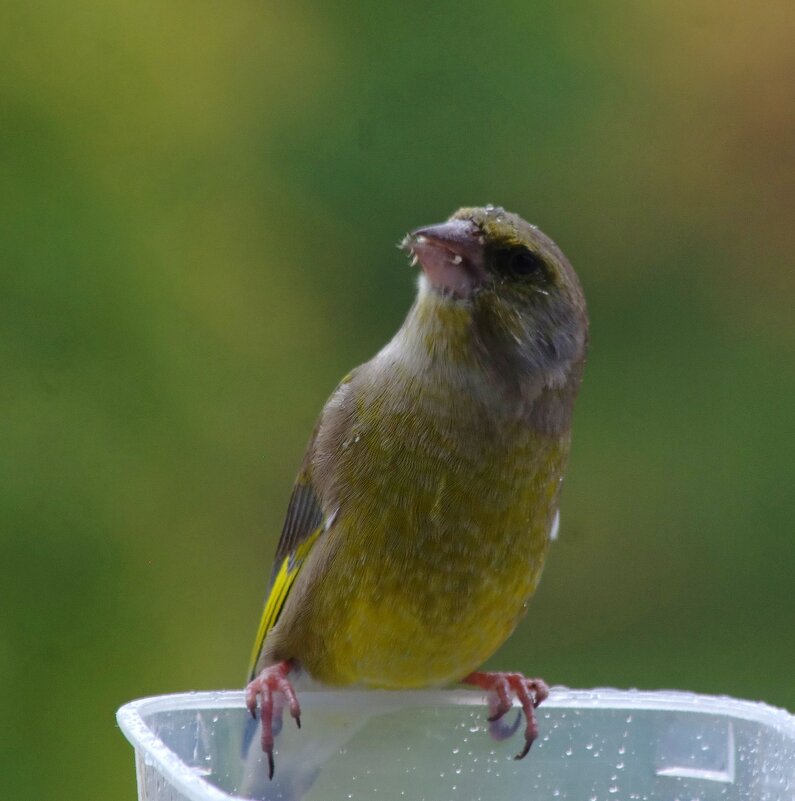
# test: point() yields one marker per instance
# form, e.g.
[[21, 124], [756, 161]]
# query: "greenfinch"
[[428, 495]]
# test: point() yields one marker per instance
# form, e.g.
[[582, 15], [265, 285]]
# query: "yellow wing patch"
[[288, 572]]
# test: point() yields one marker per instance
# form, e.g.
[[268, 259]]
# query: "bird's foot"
[[271, 680], [529, 692]]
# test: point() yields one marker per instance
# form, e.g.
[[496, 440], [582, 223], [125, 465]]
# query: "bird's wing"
[[303, 524]]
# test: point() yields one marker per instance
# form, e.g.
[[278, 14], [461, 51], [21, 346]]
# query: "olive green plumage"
[[421, 517]]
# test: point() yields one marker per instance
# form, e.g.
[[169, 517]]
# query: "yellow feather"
[[288, 572]]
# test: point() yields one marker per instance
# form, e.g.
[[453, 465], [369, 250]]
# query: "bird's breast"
[[443, 526]]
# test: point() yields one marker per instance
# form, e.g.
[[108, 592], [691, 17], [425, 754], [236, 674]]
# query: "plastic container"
[[600, 745]]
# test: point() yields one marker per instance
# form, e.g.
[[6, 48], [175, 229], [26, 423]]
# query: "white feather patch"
[[553, 531]]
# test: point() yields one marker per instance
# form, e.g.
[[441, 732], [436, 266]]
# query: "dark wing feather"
[[304, 515]]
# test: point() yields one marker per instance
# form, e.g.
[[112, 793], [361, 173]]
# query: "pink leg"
[[271, 680], [529, 692]]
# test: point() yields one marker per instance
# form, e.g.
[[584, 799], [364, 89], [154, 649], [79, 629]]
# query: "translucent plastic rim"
[[131, 717]]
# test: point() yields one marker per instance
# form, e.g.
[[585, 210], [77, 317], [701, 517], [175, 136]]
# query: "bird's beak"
[[451, 254]]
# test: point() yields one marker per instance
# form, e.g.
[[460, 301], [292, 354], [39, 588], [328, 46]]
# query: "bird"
[[428, 495]]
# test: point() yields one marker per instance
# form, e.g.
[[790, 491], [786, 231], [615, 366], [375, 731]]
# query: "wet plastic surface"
[[598, 745]]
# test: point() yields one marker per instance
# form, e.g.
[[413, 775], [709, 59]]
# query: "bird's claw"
[[261, 693], [500, 730], [529, 692]]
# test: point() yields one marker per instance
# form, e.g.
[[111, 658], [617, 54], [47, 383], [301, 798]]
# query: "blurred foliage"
[[199, 209]]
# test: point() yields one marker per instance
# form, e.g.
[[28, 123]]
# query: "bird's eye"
[[523, 263]]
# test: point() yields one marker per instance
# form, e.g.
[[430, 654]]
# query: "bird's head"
[[525, 306]]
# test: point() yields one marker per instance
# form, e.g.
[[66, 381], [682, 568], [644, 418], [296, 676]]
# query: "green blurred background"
[[200, 203]]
